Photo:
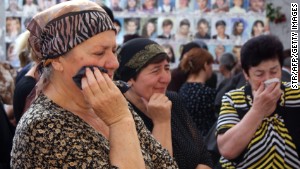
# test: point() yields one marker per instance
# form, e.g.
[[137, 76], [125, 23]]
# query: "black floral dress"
[[199, 102], [188, 147], [48, 136]]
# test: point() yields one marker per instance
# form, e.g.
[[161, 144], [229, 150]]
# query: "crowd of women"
[[92, 104]]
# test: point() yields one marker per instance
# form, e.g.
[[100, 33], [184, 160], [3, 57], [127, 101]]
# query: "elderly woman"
[[145, 66], [66, 127], [258, 126]]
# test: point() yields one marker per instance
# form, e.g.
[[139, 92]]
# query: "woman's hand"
[[159, 111], [104, 97], [265, 99], [158, 108]]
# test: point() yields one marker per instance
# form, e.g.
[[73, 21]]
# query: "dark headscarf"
[[194, 44], [134, 55], [60, 28]]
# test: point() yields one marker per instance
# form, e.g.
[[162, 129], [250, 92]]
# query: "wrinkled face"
[[202, 29], [184, 30], [150, 27], [167, 29], [265, 70], [202, 4], [131, 27], [221, 30], [98, 50], [240, 28], [152, 79], [257, 5]]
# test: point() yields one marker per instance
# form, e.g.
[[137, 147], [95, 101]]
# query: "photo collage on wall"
[[222, 24], [225, 25]]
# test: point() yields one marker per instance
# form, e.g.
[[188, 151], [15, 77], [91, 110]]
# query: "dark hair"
[[287, 58], [194, 44], [228, 60], [235, 25], [135, 20], [108, 11], [145, 31], [136, 5], [167, 22], [255, 24], [116, 21], [259, 49], [172, 59], [156, 59], [220, 23], [185, 22], [129, 37], [202, 21]]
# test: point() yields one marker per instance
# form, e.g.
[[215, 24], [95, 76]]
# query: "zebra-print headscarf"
[[60, 28]]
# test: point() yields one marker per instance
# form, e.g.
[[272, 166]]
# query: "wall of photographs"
[[222, 24]]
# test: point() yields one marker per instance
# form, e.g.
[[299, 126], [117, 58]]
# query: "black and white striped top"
[[276, 142]]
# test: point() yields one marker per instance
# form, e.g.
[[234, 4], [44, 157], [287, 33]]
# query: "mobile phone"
[[81, 73]]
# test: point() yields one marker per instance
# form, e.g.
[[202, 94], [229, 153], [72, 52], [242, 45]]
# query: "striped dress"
[[276, 142]]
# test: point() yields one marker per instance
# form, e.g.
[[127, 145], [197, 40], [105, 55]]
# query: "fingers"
[[100, 79], [159, 97], [86, 89], [261, 88], [273, 92]]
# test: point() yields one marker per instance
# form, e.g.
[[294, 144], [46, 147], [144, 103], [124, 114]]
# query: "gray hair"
[[45, 78], [228, 60]]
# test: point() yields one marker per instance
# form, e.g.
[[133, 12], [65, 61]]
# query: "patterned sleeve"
[[228, 116], [54, 142], [158, 157]]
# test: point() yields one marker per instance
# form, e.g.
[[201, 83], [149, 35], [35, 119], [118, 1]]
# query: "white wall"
[[283, 30]]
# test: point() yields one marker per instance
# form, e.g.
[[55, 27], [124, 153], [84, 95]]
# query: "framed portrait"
[[220, 28], [238, 6], [202, 6], [220, 6], [217, 50], [166, 6], [13, 28], [202, 28], [119, 24], [166, 27], [184, 6], [149, 28]]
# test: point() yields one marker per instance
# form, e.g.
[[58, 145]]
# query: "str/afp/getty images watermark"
[[294, 45]]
